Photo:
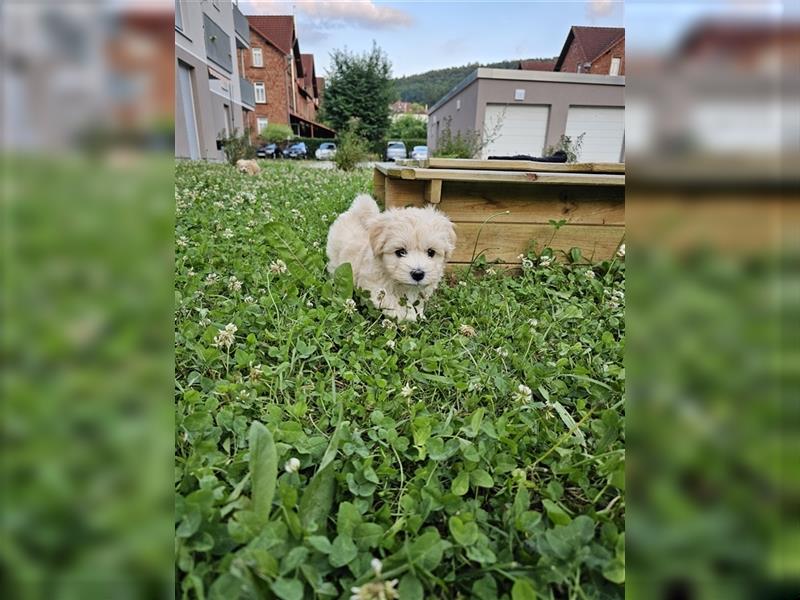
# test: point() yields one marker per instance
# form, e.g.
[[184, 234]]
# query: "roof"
[[278, 29], [593, 41], [518, 75], [538, 64]]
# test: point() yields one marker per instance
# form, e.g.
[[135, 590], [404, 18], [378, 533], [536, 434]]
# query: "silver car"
[[326, 151], [395, 150], [419, 153]]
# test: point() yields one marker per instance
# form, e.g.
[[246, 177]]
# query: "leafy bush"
[[352, 148], [407, 126], [275, 133], [237, 146], [476, 453], [465, 144], [572, 148]]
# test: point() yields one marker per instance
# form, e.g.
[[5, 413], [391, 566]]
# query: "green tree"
[[275, 133], [408, 127], [359, 86]]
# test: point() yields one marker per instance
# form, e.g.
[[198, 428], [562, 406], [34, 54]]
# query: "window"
[[261, 124], [258, 57], [261, 92], [178, 16], [614, 70]]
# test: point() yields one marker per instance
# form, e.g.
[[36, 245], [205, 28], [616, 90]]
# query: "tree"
[[407, 127], [359, 86]]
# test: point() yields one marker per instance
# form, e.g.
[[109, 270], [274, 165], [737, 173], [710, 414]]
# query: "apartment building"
[[212, 99], [287, 89]]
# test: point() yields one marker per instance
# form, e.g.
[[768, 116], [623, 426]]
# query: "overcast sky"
[[423, 35]]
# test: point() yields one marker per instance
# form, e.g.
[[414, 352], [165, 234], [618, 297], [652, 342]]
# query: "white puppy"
[[248, 166], [398, 255]]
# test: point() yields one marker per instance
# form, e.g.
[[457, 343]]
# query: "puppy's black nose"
[[417, 275]]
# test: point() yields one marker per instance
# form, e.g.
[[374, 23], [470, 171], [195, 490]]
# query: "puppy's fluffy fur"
[[248, 166], [397, 254]]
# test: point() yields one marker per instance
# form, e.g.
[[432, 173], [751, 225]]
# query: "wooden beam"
[[523, 165], [420, 174], [433, 191]]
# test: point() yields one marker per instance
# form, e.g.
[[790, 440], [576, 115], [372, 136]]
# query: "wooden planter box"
[[476, 194]]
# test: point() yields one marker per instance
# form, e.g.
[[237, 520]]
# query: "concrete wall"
[[210, 95], [559, 91]]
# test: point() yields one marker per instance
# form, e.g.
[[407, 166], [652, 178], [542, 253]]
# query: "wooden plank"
[[419, 174], [379, 185], [533, 204], [505, 241], [433, 191], [401, 193], [522, 165]]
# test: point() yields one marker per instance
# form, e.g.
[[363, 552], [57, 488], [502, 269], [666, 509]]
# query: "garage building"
[[524, 112]]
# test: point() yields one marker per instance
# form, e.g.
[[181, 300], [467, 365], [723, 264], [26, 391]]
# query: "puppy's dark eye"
[[400, 253], [431, 252]]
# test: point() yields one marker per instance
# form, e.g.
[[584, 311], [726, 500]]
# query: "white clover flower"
[[219, 204], [390, 344], [388, 324], [292, 465], [211, 278], [621, 250], [228, 233], [590, 274], [226, 336], [316, 245], [520, 256], [350, 306], [407, 391], [182, 242], [545, 261], [491, 271], [377, 566], [523, 394], [310, 304], [249, 299], [234, 284], [466, 330], [252, 223], [204, 322], [190, 272], [256, 371], [502, 352], [296, 213], [278, 267], [527, 264], [376, 590], [462, 283], [533, 322]]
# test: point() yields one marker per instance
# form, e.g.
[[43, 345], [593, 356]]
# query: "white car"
[[419, 153], [326, 151], [395, 149]]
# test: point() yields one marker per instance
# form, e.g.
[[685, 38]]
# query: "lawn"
[[476, 454]]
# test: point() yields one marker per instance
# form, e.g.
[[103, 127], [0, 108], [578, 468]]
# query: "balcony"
[[248, 94], [242, 28], [218, 44]]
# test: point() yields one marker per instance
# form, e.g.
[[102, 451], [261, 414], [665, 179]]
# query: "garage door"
[[520, 129], [604, 129]]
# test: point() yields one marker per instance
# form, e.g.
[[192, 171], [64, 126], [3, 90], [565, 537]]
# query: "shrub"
[[464, 144], [565, 144], [237, 146], [352, 148], [275, 133], [407, 126]]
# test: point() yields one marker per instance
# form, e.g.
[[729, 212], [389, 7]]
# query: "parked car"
[[395, 149], [419, 153], [326, 151], [296, 150], [268, 151]]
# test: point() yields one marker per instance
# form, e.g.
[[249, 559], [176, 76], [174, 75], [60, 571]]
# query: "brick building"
[[287, 90], [595, 50]]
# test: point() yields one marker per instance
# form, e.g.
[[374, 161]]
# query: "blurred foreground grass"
[[87, 419]]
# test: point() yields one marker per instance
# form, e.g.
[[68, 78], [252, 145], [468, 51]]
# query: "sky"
[[422, 35]]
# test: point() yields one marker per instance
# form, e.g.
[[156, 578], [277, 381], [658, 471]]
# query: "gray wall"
[[497, 86]]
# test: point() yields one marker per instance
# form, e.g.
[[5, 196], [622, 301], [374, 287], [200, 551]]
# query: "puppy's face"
[[412, 244]]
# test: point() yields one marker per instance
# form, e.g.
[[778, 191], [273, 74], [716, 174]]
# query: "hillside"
[[429, 87]]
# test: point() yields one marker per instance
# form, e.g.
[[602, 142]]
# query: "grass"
[[476, 454]]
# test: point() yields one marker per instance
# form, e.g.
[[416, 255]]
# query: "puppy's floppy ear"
[[450, 239], [377, 234]]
